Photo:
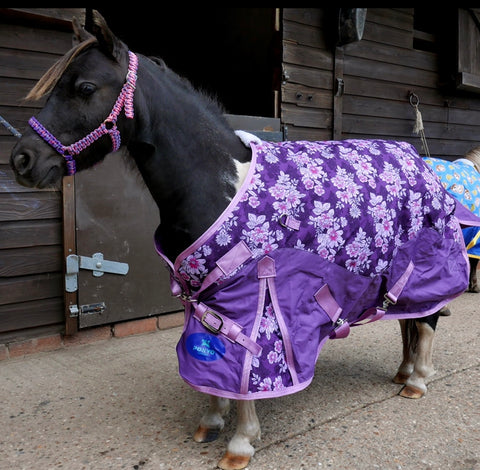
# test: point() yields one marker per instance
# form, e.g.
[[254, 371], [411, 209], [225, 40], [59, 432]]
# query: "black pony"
[[189, 157]]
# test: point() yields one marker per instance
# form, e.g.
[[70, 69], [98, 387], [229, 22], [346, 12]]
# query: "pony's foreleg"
[[212, 421], [422, 352], [240, 450]]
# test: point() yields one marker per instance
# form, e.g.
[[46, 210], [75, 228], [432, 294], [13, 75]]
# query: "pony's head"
[[78, 125]]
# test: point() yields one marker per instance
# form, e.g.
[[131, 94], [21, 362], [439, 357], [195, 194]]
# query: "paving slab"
[[120, 404]]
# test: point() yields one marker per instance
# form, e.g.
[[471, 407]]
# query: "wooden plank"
[[365, 106], [307, 56], [306, 96], [6, 145], [31, 260], [305, 133], [14, 92], [31, 314], [305, 35], [253, 123], [29, 206], [307, 76], [54, 15], [401, 92], [307, 16], [385, 34], [415, 59], [369, 125], [24, 65], [24, 234], [17, 116], [367, 68], [38, 286], [69, 248], [359, 86], [34, 39], [389, 17], [403, 128], [306, 117]]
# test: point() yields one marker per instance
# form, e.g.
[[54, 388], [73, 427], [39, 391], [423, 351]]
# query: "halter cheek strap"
[[109, 126]]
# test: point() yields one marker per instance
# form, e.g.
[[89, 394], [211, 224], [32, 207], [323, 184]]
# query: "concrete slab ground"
[[120, 404]]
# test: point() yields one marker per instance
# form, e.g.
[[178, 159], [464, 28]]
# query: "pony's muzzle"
[[33, 168], [22, 162]]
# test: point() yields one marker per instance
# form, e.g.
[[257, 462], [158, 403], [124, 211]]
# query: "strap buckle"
[[208, 326], [387, 301]]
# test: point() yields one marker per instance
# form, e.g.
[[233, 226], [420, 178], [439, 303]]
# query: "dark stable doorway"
[[230, 53]]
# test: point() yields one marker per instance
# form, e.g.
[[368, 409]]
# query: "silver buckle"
[[210, 327]]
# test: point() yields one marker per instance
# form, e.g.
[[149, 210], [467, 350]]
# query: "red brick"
[[135, 327], [35, 345], [170, 320], [49, 343], [20, 348], [88, 336], [3, 352]]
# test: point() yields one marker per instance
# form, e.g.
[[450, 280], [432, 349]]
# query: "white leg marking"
[[248, 429], [423, 367], [212, 421], [218, 408]]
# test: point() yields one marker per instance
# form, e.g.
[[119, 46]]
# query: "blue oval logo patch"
[[205, 347]]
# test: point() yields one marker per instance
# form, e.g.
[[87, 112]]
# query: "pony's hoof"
[[445, 312], [203, 434], [411, 392], [400, 378], [233, 462]]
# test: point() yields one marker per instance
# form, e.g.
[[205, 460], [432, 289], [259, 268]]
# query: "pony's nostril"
[[21, 161]]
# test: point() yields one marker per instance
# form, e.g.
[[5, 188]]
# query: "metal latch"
[[89, 309], [96, 264]]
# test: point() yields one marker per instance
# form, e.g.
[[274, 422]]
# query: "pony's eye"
[[86, 88]]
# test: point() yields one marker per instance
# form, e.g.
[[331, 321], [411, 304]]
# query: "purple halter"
[[109, 126]]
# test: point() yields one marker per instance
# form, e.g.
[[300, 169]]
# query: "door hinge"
[[96, 264]]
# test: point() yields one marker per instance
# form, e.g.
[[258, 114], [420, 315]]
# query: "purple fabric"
[[356, 218]]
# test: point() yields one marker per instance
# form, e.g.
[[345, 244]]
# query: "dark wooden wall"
[[31, 258], [393, 59], [307, 75]]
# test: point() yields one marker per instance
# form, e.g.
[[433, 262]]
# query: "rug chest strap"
[[220, 324]]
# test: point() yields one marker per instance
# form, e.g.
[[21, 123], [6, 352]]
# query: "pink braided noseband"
[[109, 126]]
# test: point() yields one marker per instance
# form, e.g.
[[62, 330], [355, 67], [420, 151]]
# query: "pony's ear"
[[108, 42], [79, 33]]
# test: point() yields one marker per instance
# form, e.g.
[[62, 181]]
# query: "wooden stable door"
[[113, 272]]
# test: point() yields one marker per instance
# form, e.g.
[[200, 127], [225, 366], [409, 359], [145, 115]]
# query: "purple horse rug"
[[322, 236]]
